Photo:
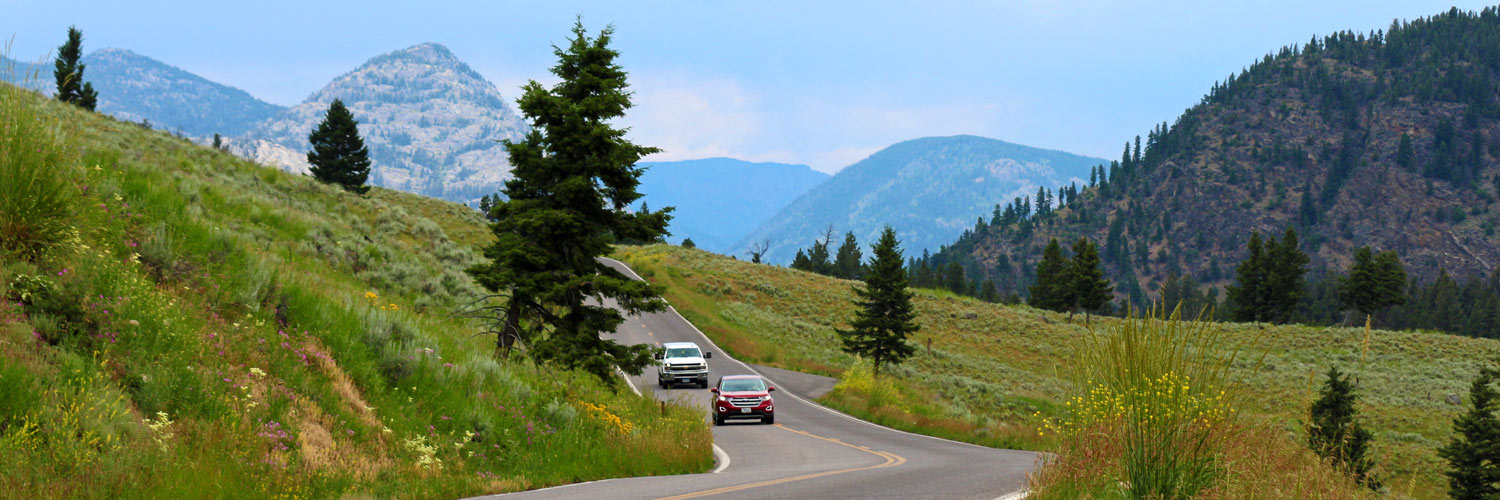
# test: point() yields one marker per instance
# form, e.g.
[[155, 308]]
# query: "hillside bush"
[[36, 211], [1160, 387]]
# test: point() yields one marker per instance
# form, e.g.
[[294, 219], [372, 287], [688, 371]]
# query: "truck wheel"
[[703, 383], [662, 383]]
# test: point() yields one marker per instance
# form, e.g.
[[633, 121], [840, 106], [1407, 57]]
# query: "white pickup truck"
[[682, 363]]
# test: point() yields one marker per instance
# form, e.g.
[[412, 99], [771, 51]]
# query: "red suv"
[[743, 396]]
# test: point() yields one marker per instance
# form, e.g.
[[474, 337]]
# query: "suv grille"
[[750, 402]]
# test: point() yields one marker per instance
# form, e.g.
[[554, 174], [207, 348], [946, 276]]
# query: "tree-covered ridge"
[[1385, 139]]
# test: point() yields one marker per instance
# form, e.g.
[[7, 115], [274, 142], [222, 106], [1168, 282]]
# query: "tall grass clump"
[[1152, 410], [36, 211]]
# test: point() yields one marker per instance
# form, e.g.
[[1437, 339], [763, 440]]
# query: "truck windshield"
[[682, 352], [743, 384]]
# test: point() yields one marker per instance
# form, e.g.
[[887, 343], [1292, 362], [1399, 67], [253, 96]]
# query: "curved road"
[[811, 452]]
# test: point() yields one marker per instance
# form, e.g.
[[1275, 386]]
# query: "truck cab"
[[682, 363]]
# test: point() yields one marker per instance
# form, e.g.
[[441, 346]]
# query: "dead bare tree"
[[758, 249]]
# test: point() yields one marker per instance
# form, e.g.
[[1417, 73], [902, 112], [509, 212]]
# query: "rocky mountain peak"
[[431, 122]]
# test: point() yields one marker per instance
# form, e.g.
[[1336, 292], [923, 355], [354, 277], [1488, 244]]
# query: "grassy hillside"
[[995, 371], [178, 323]]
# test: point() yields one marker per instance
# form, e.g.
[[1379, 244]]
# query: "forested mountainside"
[[1387, 139]]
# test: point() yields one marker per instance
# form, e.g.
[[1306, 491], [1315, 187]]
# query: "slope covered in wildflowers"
[[179, 323]]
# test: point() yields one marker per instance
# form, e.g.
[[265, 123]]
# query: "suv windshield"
[[742, 384], [682, 352]]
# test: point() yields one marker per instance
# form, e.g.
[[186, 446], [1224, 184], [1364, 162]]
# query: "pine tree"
[[1087, 289], [69, 73], [1405, 157], [688, 243], [924, 275], [884, 316], [1286, 266], [1052, 280], [847, 261], [1473, 454], [1250, 278], [1307, 210], [1335, 434], [800, 262], [988, 292], [1375, 282], [953, 278], [817, 258], [338, 154], [574, 181]]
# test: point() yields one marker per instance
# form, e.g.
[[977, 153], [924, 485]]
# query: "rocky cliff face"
[[431, 123]]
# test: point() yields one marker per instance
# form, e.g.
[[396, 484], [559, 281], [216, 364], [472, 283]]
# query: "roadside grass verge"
[[211, 328], [1007, 367]]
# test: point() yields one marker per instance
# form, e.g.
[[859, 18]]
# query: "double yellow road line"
[[891, 460]]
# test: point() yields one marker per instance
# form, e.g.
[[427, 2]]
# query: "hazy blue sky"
[[820, 83]]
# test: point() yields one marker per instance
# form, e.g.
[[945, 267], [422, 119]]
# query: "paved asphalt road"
[[811, 451]]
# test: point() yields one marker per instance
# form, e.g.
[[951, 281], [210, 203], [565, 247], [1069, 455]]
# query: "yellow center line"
[[891, 460]]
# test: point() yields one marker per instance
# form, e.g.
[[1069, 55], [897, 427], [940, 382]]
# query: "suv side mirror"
[[771, 389], [707, 355], [659, 355], [714, 390]]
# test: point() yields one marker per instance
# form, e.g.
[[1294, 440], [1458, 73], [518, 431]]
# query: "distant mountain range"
[[433, 126], [720, 200], [930, 190], [137, 88]]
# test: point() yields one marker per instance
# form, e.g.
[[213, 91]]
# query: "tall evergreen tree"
[[1250, 278], [847, 262], [338, 154], [800, 262], [1473, 453], [988, 292], [1087, 289], [884, 316], [1405, 156], [575, 179], [1286, 267], [953, 278], [1052, 280], [817, 258], [1307, 210], [1375, 282], [1335, 433], [69, 73]]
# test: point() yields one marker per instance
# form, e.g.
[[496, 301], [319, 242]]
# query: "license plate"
[[744, 410], [684, 380]]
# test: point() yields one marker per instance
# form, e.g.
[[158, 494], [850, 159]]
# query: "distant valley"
[[720, 200]]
